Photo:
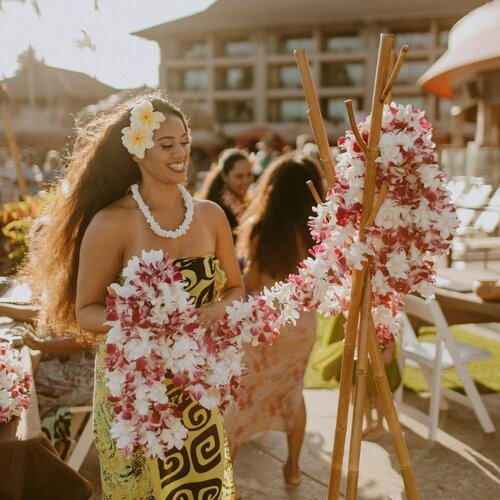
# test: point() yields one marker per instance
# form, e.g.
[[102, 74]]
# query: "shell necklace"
[[181, 230]]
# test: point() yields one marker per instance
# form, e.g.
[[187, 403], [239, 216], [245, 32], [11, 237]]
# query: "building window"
[[291, 110], [194, 50], [411, 71], [234, 111], [195, 79], [415, 39], [334, 108], [234, 78], [345, 43], [285, 77], [289, 44], [417, 101], [238, 48], [342, 74], [189, 79]]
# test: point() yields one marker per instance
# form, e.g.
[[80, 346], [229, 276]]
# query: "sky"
[[120, 59]]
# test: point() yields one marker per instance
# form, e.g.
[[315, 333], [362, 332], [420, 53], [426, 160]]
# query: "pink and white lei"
[[14, 383], [154, 333], [414, 225]]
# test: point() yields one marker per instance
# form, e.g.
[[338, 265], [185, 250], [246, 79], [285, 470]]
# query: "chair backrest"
[[487, 221], [476, 197], [495, 200], [429, 311]]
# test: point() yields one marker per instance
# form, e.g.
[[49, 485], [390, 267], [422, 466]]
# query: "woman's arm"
[[62, 345], [26, 313], [100, 262]]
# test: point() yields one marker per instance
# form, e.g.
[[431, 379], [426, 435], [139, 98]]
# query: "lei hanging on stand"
[[14, 383], [154, 328]]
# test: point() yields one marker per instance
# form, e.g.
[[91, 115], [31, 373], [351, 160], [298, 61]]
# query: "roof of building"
[[229, 15], [473, 47], [48, 81]]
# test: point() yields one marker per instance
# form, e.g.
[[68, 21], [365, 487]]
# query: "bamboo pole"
[[394, 72], [360, 392], [392, 64], [314, 115], [314, 192], [11, 141], [391, 415], [386, 43]]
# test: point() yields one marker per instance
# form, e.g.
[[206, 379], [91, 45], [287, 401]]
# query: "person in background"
[[8, 187], [32, 172], [63, 376], [272, 240], [266, 153], [227, 184], [52, 168]]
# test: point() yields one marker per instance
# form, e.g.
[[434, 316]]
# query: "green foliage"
[[16, 220]]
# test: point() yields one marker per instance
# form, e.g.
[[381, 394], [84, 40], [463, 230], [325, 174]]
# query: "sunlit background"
[[88, 36]]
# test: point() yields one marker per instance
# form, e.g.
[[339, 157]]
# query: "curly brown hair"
[[100, 172], [274, 227]]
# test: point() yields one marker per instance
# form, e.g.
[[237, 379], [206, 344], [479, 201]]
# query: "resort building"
[[235, 59]]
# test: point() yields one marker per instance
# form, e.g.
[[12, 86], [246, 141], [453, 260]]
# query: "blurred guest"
[[53, 167], [273, 239], [227, 184], [64, 376], [8, 186], [32, 172], [266, 153], [303, 139]]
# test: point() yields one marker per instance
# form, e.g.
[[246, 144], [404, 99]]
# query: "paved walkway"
[[464, 463]]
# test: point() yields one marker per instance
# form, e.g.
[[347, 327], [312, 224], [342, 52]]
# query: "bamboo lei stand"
[[361, 295]]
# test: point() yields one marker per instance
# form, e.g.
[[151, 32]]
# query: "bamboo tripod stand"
[[360, 330]]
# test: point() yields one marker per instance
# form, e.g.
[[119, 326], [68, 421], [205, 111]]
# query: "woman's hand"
[[209, 315], [30, 339]]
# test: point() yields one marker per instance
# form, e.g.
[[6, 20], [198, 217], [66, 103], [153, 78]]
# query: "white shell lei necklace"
[[182, 229]]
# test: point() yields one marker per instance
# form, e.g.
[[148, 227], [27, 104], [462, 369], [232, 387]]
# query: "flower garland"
[[155, 227], [14, 383], [414, 226], [154, 329]]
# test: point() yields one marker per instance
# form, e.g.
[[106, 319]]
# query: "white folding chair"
[[432, 358], [81, 439]]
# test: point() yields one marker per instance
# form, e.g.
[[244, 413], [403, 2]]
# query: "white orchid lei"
[[143, 122], [154, 330], [14, 383]]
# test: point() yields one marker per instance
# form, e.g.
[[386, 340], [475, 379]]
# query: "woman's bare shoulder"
[[113, 218], [207, 208]]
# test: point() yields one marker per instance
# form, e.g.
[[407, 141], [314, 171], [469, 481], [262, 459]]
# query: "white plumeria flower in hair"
[[143, 116], [137, 140]]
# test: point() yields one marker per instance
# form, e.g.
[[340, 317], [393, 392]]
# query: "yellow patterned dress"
[[201, 470]]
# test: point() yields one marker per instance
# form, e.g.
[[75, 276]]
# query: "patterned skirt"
[[201, 470]]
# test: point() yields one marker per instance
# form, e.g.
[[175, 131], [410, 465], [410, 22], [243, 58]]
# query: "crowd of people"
[[36, 177], [245, 228]]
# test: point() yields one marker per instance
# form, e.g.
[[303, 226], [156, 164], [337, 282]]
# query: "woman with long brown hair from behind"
[[273, 239]]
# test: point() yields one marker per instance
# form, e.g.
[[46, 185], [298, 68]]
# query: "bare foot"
[[292, 477]]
